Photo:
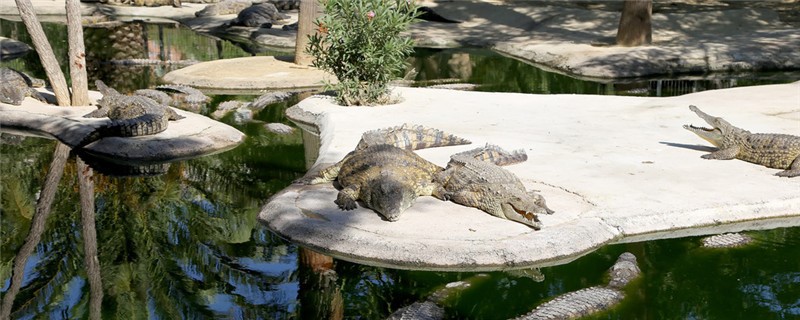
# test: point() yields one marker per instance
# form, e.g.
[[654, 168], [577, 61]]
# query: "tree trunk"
[[309, 12], [635, 27], [77, 55], [45, 51]]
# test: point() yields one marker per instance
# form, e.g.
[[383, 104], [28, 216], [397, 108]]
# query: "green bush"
[[359, 42]]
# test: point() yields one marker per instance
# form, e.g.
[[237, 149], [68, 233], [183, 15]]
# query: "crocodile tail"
[[494, 154], [143, 125], [410, 137]]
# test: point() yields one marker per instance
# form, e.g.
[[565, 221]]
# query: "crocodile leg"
[[723, 154], [793, 171], [346, 200]]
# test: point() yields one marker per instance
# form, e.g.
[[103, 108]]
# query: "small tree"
[[360, 43]]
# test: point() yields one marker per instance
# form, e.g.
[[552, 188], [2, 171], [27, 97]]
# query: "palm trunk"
[[635, 27], [309, 12], [77, 54], [45, 51]]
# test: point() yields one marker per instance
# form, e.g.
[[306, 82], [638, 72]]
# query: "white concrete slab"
[[611, 167], [192, 136]]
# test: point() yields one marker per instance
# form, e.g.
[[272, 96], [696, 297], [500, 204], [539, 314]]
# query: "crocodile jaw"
[[520, 215], [718, 131], [712, 135]]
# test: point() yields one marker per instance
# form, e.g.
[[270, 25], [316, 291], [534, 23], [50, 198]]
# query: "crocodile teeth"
[[527, 215]]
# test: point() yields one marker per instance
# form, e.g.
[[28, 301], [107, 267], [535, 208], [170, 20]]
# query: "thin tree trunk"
[[45, 51], [635, 26], [86, 182], [77, 55], [46, 198], [309, 12]]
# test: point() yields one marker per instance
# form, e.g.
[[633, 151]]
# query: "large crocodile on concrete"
[[130, 115], [773, 150], [474, 178], [591, 300], [15, 86], [383, 172]]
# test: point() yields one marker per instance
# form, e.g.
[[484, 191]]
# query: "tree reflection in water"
[[167, 248]]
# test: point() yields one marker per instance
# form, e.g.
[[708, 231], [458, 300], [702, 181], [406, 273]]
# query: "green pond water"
[[186, 243]]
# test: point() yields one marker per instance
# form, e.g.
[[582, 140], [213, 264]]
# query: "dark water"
[[186, 243]]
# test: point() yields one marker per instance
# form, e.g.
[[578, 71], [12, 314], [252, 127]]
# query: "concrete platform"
[[615, 169], [193, 136], [249, 73]]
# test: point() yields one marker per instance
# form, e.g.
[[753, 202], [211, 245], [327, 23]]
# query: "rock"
[[259, 15], [242, 115], [267, 99], [279, 128], [225, 108], [12, 49], [224, 7]]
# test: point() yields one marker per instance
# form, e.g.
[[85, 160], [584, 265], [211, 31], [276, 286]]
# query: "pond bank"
[[613, 168], [568, 38]]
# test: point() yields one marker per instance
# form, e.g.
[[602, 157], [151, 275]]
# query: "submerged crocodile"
[[591, 300], [777, 151], [130, 115], [15, 86], [726, 240], [384, 173], [474, 178], [571, 305]]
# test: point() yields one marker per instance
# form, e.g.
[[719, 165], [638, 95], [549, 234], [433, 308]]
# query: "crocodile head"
[[390, 197], [720, 132], [524, 207]]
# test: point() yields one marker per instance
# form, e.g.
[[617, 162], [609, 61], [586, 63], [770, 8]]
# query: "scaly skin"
[[591, 300], [474, 179], [777, 151], [388, 179], [383, 172], [15, 86], [130, 115]]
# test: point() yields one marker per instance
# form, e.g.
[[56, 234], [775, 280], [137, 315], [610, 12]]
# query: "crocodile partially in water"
[[570, 305], [16, 85], [474, 178], [384, 173], [773, 150], [590, 300], [130, 115]]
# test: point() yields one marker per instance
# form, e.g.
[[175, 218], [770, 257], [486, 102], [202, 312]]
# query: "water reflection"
[[496, 73]]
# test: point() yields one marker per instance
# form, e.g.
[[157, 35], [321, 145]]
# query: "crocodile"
[[130, 115], [16, 85], [773, 150], [726, 240], [474, 178], [383, 172], [590, 300], [185, 97]]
